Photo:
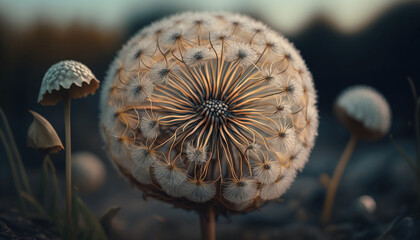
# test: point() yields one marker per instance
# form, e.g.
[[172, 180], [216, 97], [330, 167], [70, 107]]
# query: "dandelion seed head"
[[208, 106]]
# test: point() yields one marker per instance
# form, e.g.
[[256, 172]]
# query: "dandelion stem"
[[208, 224], [68, 165], [338, 172]]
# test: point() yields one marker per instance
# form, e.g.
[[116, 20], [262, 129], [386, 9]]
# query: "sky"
[[287, 15]]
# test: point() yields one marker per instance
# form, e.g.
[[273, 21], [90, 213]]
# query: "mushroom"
[[88, 171], [366, 113], [42, 135], [63, 81]]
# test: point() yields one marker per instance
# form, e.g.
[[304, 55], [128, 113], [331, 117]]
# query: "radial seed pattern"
[[209, 108]]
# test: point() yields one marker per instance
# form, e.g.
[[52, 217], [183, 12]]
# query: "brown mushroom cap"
[[42, 135], [66, 78]]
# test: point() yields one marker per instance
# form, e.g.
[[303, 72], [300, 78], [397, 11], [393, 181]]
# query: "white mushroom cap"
[[367, 106], [71, 76], [88, 171]]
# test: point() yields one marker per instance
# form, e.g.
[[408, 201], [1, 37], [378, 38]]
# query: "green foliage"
[[47, 203], [414, 164]]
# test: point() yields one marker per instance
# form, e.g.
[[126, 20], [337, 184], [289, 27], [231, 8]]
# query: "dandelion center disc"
[[215, 108]]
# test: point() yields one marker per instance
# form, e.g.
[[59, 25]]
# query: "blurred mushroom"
[[42, 135], [88, 171], [366, 113], [365, 204], [63, 81]]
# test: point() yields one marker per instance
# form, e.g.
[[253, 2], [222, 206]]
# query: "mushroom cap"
[[42, 135], [69, 77], [88, 171], [364, 111]]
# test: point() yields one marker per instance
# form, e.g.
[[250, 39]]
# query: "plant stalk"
[[20, 165], [338, 172], [13, 169], [68, 166], [208, 224]]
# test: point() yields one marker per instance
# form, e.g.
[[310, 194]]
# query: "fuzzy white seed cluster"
[[366, 105], [209, 108]]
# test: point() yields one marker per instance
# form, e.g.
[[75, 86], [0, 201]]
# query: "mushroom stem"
[[338, 172], [68, 164], [207, 224]]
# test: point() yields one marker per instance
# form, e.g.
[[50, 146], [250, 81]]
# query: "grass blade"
[[15, 175], [405, 157], [21, 167], [43, 183], [92, 223], [38, 208]]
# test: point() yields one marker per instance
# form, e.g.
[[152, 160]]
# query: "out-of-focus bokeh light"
[[288, 16]]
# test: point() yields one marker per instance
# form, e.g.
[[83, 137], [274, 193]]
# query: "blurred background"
[[344, 42]]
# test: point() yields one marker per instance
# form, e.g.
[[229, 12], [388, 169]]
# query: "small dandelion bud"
[[205, 109]]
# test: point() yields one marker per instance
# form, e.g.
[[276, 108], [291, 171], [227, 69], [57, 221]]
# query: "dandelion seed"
[[293, 158], [138, 90], [198, 191], [143, 156], [256, 27], [142, 174], [119, 147], [170, 178], [291, 88], [169, 174], [149, 126], [267, 171], [242, 53], [281, 109], [217, 37], [283, 138], [269, 42], [275, 190], [177, 35], [161, 71], [251, 147], [196, 155], [240, 191], [197, 56], [141, 50]]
